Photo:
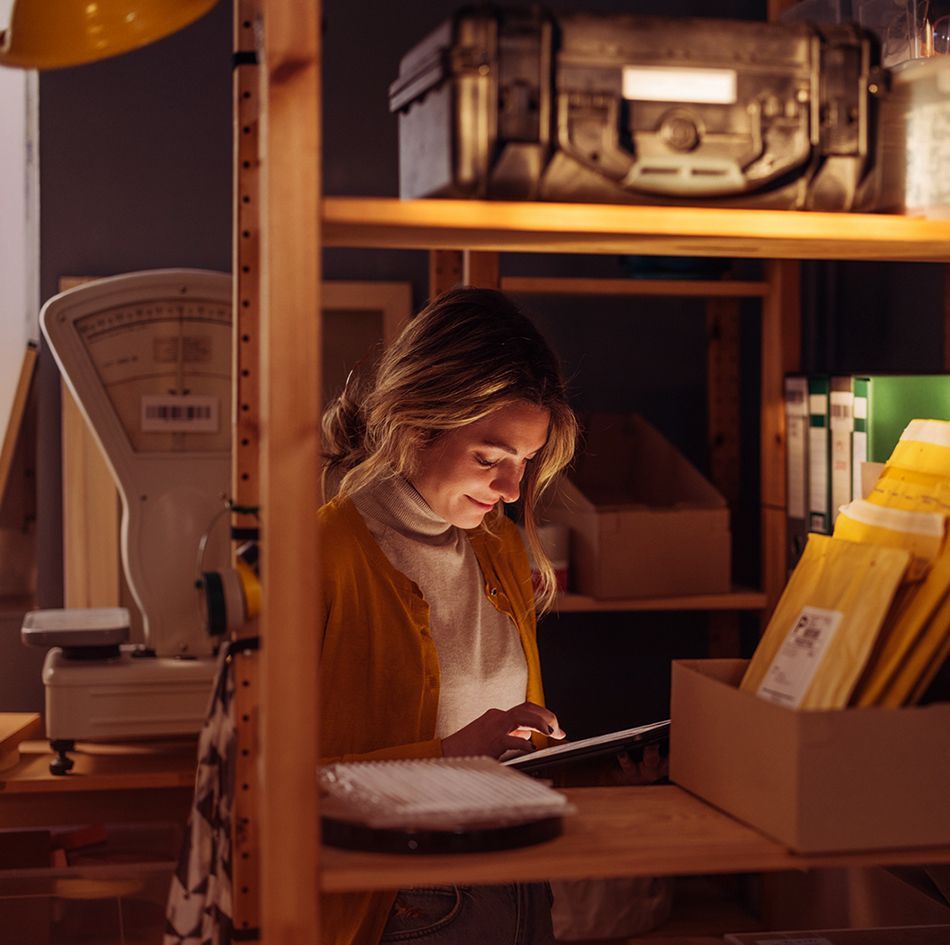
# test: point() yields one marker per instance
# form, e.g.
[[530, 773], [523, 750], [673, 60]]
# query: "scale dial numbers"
[[165, 366]]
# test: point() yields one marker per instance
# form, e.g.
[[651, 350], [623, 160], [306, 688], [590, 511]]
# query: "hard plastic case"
[[524, 104]]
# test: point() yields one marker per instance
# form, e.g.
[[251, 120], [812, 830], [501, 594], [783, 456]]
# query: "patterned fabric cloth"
[[199, 902]]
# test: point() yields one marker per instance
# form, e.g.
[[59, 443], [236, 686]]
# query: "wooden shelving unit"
[[656, 830]]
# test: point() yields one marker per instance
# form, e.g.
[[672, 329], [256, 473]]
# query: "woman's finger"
[[535, 717]]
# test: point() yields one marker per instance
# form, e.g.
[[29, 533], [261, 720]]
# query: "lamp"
[[50, 34]]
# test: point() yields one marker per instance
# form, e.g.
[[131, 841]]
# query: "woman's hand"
[[501, 730], [651, 768]]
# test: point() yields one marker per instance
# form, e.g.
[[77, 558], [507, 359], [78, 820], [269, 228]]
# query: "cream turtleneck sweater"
[[481, 662]]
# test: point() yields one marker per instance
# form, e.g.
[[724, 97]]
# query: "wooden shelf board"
[[738, 599], [126, 766], [387, 222], [642, 831], [129, 783], [668, 288]]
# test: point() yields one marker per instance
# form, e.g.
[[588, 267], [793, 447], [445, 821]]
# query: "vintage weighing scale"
[[147, 357]]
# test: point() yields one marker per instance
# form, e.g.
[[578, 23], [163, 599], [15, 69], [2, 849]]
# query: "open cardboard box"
[[817, 781], [644, 522]]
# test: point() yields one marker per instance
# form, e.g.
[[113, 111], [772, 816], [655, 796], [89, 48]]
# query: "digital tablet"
[[586, 748]]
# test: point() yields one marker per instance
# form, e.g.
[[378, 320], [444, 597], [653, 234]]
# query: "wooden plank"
[[122, 805], [738, 599], [16, 727], [290, 467], [481, 269], [445, 271], [103, 767], [722, 397], [582, 228], [781, 354], [92, 570], [91, 516], [641, 831], [774, 558], [21, 396], [246, 268], [246, 449], [668, 288], [246, 830], [18, 495]]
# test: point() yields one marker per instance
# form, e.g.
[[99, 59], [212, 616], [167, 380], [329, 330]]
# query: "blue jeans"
[[514, 914]]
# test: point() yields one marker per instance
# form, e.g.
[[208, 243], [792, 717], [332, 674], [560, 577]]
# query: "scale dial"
[[165, 366]]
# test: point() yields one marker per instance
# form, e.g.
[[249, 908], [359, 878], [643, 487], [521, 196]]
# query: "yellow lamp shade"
[[49, 34]]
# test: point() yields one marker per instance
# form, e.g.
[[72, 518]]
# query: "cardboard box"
[[644, 522], [817, 781]]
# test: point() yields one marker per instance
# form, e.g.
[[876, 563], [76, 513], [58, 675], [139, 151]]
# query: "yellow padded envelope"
[[920, 533], [840, 593], [909, 642]]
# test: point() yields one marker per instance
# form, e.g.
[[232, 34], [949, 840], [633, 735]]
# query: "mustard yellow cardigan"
[[379, 670]]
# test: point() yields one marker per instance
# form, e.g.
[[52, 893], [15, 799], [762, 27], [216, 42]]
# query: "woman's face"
[[465, 472]]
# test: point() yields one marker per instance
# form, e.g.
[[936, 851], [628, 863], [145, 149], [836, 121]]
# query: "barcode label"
[[180, 414], [794, 666]]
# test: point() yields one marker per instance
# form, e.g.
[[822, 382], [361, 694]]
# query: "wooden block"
[[16, 727]]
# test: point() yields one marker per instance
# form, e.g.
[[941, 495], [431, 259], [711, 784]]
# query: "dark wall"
[[135, 173]]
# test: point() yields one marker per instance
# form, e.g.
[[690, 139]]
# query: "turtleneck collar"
[[397, 504]]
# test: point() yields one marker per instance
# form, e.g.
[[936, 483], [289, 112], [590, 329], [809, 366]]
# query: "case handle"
[[588, 129]]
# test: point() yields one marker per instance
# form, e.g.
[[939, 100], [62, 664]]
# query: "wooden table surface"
[[660, 830], [129, 782]]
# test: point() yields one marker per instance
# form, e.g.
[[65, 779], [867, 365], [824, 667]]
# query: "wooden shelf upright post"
[[781, 354], [290, 465], [245, 451]]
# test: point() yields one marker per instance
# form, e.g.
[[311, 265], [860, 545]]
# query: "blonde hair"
[[469, 353]]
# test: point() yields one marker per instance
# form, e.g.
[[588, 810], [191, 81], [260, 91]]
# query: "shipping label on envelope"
[[791, 672]]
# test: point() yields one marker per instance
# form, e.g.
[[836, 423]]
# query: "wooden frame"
[[92, 567], [389, 305], [393, 300]]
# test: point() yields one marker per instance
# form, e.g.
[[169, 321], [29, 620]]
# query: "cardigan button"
[[494, 592]]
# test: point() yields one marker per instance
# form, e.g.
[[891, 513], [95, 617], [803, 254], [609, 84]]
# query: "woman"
[[429, 642]]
